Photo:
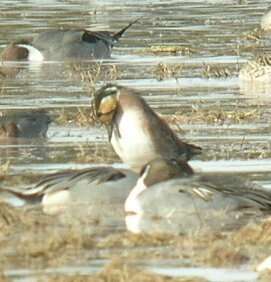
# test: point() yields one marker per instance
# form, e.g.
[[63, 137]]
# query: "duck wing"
[[243, 193], [64, 180]]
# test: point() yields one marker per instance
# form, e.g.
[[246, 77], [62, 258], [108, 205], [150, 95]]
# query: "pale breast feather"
[[34, 54]]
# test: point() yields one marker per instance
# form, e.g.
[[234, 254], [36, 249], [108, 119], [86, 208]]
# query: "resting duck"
[[266, 20], [25, 124], [64, 45], [95, 188], [259, 68], [170, 190]]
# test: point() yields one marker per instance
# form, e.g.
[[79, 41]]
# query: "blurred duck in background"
[[64, 45], [94, 189], [258, 69], [24, 124], [59, 45]]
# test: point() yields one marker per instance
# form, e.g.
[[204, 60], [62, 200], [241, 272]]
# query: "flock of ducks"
[[159, 181]]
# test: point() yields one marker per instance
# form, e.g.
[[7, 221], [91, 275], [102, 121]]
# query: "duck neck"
[[131, 203]]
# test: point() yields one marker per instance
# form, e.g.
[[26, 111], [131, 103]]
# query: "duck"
[[169, 189], [266, 20], [137, 134], [64, 44], [258, 69], [74, 190], [24, 124]]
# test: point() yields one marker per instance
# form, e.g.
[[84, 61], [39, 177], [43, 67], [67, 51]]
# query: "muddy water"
[[184, 57]]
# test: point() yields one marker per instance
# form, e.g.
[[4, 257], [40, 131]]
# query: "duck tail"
[[194, 150], [118, 35], [18, 198]]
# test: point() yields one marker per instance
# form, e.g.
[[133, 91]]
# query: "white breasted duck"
[[258, 69], [266, 20], [137, 133], [96, 187], [169, 189], [64, 45]]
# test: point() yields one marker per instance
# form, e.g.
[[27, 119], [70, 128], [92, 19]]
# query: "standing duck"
[[137, 134]]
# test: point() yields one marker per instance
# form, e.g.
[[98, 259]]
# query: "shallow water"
[[211, 274], [200, 88]]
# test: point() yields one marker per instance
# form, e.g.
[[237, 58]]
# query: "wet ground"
[[184, 57]]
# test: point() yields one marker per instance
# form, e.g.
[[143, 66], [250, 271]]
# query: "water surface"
[[199, 93]]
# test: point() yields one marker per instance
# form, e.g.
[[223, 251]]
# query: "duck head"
[[105, 103]]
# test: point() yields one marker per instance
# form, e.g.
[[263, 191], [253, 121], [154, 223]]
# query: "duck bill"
[[94, 109]]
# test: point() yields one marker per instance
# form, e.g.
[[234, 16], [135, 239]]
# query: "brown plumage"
[[136, 132], [14, 52]]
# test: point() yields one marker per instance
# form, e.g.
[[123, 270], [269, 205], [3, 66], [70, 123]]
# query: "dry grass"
[[265, 276], [9, 218], [163, 71], [92, 73], [81, 117], [176, 50], [3, 278], [215, 116], [211, 115], [39, 241], [254, 35], [4, 170], [216, 71], [117, 271]]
